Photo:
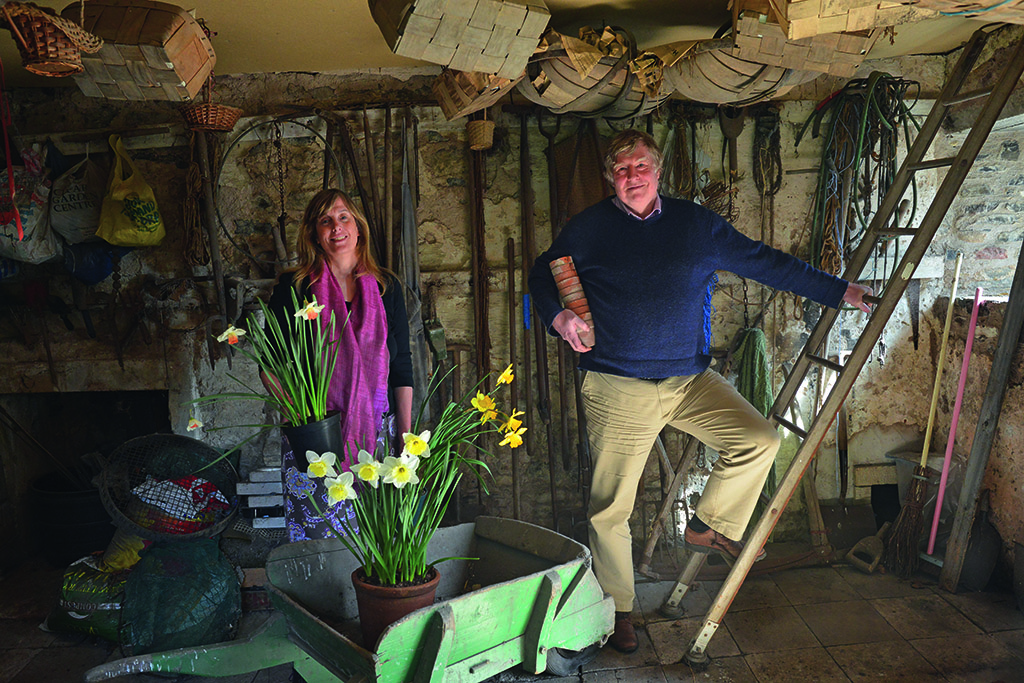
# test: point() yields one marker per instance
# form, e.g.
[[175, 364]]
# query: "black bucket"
[[70, 522]]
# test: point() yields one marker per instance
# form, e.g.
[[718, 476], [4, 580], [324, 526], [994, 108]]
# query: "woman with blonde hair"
[[372, 382]]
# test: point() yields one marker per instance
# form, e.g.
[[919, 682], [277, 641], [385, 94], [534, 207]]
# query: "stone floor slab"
[[805, 666], [756, 593], [846, 623], [1013, 640], [892, 662], [814, 585], [59, 664], [926, 616], [22, 633], [881, 584], [971, 659], [13, 660], [720, 670], [769, 629], [649, 674], [989, 611], [609, 658], [672, 640]]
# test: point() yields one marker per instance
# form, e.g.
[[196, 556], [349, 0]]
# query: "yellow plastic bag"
[[129, 216]]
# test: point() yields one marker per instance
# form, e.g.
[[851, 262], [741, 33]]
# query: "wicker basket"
[[480, 133], [211, 116], [49, 45]]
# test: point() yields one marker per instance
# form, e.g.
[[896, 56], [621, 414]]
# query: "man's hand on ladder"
[[855, 296]]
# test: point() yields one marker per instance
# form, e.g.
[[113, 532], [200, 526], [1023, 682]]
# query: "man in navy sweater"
[[648, 266]]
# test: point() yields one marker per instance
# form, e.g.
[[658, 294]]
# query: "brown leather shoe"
[[624, 639], [711, 541]]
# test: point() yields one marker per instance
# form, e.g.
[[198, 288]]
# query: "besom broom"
[[901, 550]]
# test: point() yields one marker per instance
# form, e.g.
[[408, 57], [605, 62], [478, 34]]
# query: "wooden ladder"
[[812, 356]]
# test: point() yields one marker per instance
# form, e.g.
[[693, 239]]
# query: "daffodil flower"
[[513, 439], [401, 470], [368, 469], [231, 335], [320, 465], [311, 311], [512, 424], [340, 488], [485, 404], [507, 376], [417, 445], [194, 424]]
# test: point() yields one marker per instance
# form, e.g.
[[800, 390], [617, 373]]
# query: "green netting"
[[180, 594]]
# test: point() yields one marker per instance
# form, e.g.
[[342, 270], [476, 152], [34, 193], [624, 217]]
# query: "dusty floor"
[[809, 624]]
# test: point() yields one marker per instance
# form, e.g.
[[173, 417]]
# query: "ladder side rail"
[[862, 349], [886, 209]]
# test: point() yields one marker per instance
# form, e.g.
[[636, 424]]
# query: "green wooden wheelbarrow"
[[528, 598]]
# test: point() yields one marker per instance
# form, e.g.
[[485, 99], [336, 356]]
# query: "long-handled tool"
[[901, 551], [955, 420]]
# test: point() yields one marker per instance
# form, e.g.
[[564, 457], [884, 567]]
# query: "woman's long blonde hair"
[[312, 255]]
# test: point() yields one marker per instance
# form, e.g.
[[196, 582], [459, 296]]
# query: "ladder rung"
[[790, 426], [932, 163], [873, 300], [967, 96], [830, 364], [897, 232]]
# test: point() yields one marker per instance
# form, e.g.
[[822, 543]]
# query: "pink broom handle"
[[956, 418]]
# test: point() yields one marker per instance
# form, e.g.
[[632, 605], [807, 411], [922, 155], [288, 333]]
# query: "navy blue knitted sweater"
[[649, 283]]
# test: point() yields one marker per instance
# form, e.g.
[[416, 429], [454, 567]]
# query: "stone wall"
[[888, 407]]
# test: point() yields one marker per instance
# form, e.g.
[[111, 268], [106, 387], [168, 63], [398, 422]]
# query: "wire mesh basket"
[[169, 487]]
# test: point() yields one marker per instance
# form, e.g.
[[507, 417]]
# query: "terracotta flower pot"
[[381, 606]]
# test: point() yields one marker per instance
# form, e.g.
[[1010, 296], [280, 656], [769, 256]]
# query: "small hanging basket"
[[480, 133], [209, 115], [49, 45]]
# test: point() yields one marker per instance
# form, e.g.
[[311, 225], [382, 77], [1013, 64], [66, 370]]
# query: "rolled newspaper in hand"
[[571, 293]]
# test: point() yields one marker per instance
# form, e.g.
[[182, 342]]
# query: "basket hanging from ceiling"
[[210, 115], [49, 45], [597, 75], [713, 75]]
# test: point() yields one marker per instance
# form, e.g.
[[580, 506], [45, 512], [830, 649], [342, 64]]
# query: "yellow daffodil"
[[340, 488], [482, 402], [194, 424], [311, 311], [417, 445], [401, 470], [513, 439], [507, 376], [512, 424], [368, 469], [485, 404], [231, 335], [320, 465]]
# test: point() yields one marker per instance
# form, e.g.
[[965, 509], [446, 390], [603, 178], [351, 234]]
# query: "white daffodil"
[[368, 469], [340, 488], [417, 445], [321, 465], [400, 471]]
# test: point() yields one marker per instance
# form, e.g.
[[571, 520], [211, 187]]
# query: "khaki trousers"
[[625, 416]]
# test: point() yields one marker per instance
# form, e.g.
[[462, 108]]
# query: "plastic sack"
[[92, 262], [180, 594], [75, 202], [90, 600], [31, 193], [129, 216]]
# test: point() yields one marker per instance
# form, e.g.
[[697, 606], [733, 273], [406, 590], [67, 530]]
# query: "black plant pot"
[[319, 437]]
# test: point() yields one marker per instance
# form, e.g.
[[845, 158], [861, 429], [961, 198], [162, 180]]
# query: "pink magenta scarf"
[[359, 387]]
